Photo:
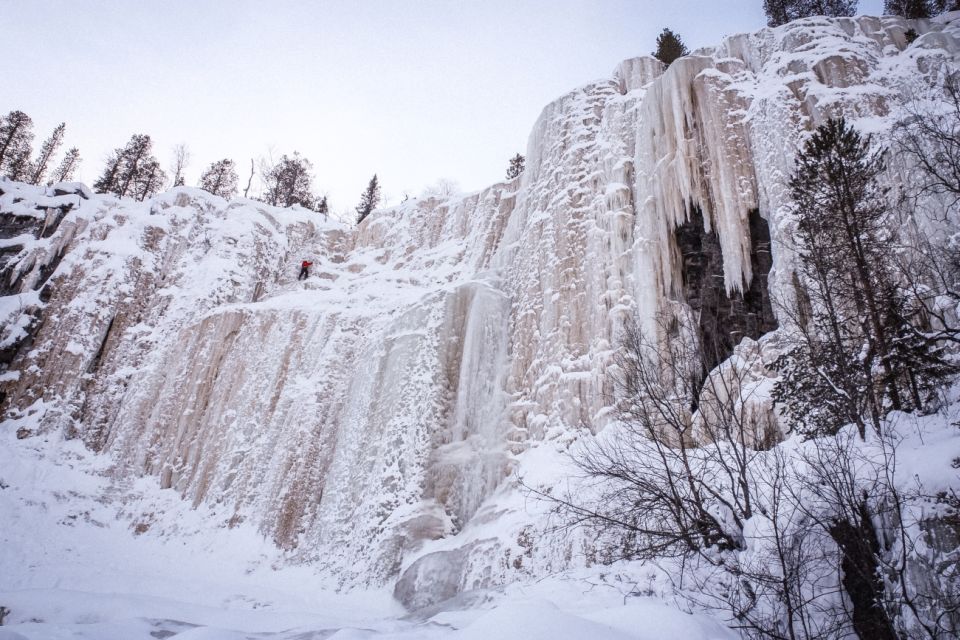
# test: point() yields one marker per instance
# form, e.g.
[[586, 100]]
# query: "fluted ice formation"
[[369, 419]]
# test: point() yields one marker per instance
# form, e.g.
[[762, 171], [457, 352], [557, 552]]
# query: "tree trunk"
[[249, 180], [861, 579]]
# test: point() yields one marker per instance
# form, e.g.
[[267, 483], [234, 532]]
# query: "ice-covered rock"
[[368, 419]]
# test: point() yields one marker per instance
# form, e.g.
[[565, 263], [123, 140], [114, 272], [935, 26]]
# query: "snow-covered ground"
[[83, 558], [373, 421]]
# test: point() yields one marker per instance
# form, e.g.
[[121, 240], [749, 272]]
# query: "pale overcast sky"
[[414, 90]]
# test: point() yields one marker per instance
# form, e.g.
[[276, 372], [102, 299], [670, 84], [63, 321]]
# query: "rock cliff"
[[371, 420]]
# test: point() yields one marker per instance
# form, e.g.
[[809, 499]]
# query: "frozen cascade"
[[370, 419]]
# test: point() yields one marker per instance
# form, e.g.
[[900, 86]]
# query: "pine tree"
[[910, 9], [149, 179], [290, 181], [516, 166], [859, 356], [16, 136], [783, 11], [669, 47], [68, 166], [132, 170], [942, 6], [19, 165], [369, 200], [322, 206], [220, 179], [47, 151]]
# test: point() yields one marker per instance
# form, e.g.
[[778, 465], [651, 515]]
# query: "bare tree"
[[246, 191], [442, 188], [667, 473], [801, 542], [181, 158], [688, 464]]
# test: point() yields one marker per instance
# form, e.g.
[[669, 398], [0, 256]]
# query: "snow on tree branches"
[[220, 179], [290, 182], [783, 11], [917, 9], [516, 166], [858, 355]]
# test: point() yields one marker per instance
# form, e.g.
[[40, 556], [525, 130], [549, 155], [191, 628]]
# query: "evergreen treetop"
[[783, 11], [68, 166], [47, 149], [290, 182], [16, 137], [132, 170], [516, 166], [669, 47], [369, 200], [911, 9], [220, 179]]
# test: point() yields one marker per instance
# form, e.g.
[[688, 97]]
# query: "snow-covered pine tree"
[[911, 9], [149, 179], [942, 6], [858, 356], [289, 182], [16, 136], [783, 11], [220, 179], [669, 47], [49, 147], [516, 166], [322, 206], [369, 200], [68, 166]]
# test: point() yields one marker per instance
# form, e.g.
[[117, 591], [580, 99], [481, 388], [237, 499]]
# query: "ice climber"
[[304, 270]]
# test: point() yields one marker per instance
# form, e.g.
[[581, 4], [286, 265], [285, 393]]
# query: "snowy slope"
[[372, 421]]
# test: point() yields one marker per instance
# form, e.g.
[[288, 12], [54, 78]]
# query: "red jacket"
[[305, 264]]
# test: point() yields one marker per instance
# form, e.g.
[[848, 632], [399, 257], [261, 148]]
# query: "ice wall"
[[371, 419]]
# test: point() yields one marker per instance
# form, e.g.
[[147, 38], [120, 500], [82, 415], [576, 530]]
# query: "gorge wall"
[[372, 419]]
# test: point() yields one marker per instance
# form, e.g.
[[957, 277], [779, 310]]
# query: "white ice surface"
[[72, 565]]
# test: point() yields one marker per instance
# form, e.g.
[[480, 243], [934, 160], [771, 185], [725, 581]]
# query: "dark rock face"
[[724, 320], [12, 226], [41, 226]]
